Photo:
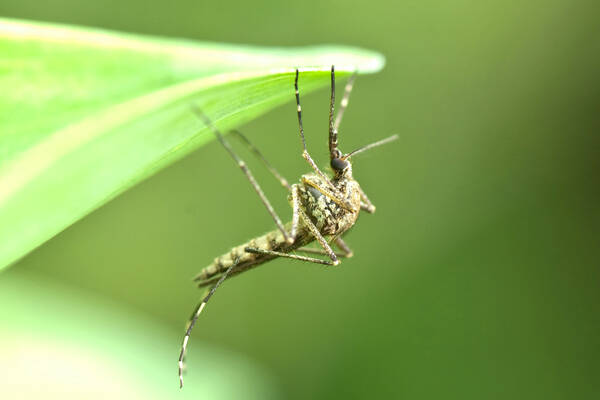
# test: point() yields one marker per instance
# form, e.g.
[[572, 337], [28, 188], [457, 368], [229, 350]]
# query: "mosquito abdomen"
[[273, 240]]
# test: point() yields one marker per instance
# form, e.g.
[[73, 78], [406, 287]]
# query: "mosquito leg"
[[366, 204], [367, 207], [344, 103], [346, 251], [310, 250], [305, 154], [199, 309], [315, 232], [344, 247], [295, 212], [246, 171], [287, 255], [258, 154]]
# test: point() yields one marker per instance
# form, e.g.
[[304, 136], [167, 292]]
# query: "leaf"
[[86, 113]]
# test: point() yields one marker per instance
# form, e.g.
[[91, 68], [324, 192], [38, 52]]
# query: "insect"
[[322, 207]]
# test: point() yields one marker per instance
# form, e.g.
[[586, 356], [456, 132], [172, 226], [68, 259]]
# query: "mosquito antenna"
[[333, 134], [370, 146]]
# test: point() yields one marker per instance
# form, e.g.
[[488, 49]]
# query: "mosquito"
[[323, 209]]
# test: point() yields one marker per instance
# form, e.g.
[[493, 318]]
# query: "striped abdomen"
[[273, 240]]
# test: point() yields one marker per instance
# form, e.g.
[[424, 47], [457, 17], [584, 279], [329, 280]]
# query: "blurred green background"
[[478, 275]]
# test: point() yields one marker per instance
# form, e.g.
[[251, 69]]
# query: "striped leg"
[[246, 172], [197, 313]]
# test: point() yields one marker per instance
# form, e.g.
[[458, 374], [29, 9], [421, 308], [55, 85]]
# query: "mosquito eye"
[[338, 164]]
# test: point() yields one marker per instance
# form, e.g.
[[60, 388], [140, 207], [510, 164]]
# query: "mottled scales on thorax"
[[331, 217]]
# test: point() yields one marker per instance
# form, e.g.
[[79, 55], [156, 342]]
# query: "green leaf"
[[86, 114]]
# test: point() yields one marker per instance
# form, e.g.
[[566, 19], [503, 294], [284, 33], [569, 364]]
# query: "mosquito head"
[[341, 167]]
